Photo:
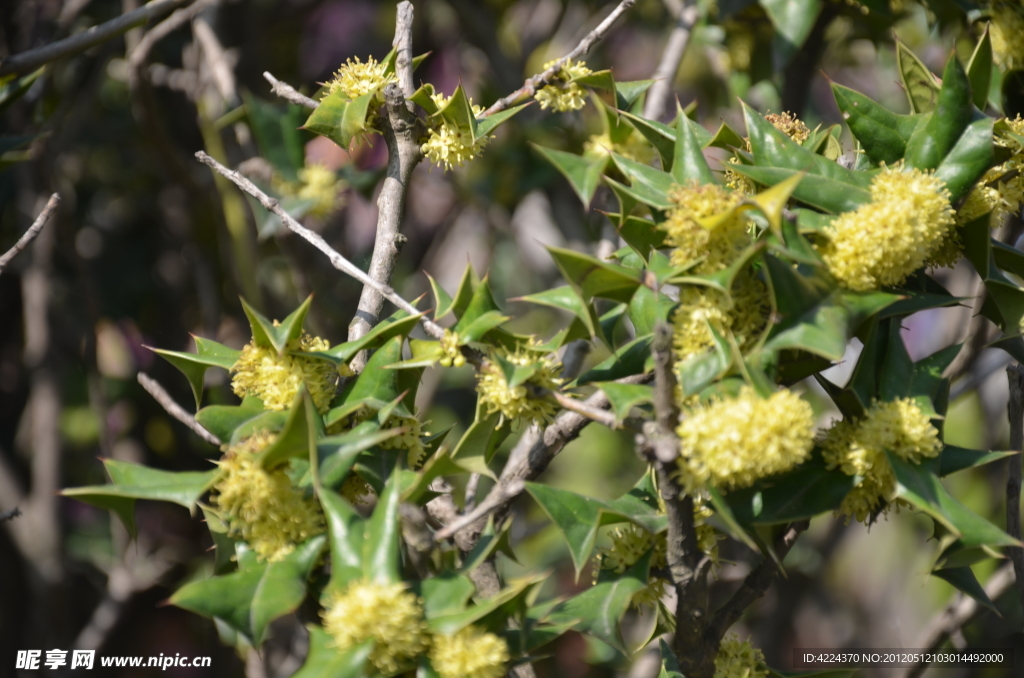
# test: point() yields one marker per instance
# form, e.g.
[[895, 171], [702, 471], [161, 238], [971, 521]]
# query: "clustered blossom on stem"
[[903, 227], [469, 653], [317, 184], [628, 545], [388, 614], [448, 145], [451, 353], [356, 78], [262, 506], [1001, 190], [516, 403], [744, 310], [739, 659], [858, 447], [1007, 28], [565, 95], [732, 442], [275, 377], [790, 125]]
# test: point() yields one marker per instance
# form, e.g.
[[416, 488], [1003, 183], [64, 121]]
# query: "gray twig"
[[671, 57], [1015, 412], [161, 395], [10, 515], [956, 615], [79, 42], [289, 93], [401, 136], [31, 233], [337, 260], [528, 459], [546, 76]]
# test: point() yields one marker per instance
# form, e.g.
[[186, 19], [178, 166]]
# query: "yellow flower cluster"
[[263, 507], [859, 447], [469, 653], [449, 145], [790, 125], [451, 353], [568, 96], [386, 613], [628, 545], [635, 147], [317, 184], [993, 193], [744, 311], [275, 377], [731, 443], [736, 181], [356, 78], [884, 241], [738, 659], [356, 490], [1008, 33], [411, 440], [515, 403]]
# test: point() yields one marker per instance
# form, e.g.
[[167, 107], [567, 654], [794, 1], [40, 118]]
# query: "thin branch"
[[79, 42], [31, 233], [956, 615], [597, 414], [528, 459], [10, 515], [1015, 412], [402, 138], [665, 74], [286, 91], [755, 584], [337, 260], [159, 394], [546, 76]]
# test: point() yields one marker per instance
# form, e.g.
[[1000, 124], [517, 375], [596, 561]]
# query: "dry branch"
[[79, 42], [287, 92], [161, 395], [665, 74], [31, 233], [337, 260]]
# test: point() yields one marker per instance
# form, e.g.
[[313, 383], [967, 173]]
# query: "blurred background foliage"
[[147, 249]]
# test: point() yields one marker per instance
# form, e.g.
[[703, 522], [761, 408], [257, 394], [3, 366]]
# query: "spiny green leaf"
[[979, 70], [933, 140], [325, 661], [882, 134], [918, 82], [595, 278]]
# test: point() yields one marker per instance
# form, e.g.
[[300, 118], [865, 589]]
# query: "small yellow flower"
[[356, 78], [790, 125], [319, 185], [275, 378], [469, 653], [628, 545], [567, 96], [516, 403], [385, 613], [994, 193], [736, 181], [859, 449], [411, 440], [743, 312], [356, 490], [451, 353], [450, 146], [263, 507], [739, 659], [635, 147], [731, 443], [884, 241], [692, 240], [1007, 31]]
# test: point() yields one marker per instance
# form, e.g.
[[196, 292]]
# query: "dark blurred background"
[[146, 249]]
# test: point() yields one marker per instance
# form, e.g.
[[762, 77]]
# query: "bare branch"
[[160, 394], [1015, 413], [665, 74], [402, 139], [956, 615], [165, 28], [597, 414], [755, 584], [286, 91], [31, 233], [79, 42], [545, 77], [528, 459], [337, 260]]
